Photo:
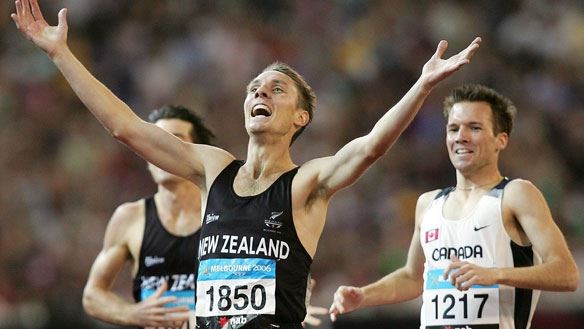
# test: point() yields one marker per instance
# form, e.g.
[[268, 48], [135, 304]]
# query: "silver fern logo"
[[272, 222]]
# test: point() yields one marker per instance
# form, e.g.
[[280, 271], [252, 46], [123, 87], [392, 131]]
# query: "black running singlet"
[[253, 269], [166, 257]]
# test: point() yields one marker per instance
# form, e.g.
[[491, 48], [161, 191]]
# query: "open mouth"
[[462, 151], [260, 110]]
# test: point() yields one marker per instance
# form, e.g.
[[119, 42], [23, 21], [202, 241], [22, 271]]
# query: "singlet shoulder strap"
[[444, 192], [150, 216], [150, 211], [497, 191], [227, 175], [290, 174]]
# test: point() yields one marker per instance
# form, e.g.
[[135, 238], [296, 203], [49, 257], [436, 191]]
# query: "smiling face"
[[470, 138], [271, 106]]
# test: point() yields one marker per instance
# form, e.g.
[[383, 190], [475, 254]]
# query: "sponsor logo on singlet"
[[476, 229], [211, 218], [153, 260]]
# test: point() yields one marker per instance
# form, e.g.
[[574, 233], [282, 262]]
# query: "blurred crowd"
[[62, 175]]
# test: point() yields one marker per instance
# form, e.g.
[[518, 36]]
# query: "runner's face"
[[470, 139], [271, 104]]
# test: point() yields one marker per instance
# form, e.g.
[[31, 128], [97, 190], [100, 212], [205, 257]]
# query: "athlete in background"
[[483, 249], [159, 237]]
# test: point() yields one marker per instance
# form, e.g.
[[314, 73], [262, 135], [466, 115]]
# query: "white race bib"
[[236, 286], [444, 305]]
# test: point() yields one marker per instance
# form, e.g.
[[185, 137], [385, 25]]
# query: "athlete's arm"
[[317, 180], [100, 302], [403, 284], [349, 163], [152, 143], [558, 271]]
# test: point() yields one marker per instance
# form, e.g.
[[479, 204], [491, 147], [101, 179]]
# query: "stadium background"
[[62, 175]]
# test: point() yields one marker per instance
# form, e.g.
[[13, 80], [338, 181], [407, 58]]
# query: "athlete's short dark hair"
[[502, 108], [200, 134]]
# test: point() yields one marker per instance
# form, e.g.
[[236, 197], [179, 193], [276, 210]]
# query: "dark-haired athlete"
[[483, 249], [159, 236]]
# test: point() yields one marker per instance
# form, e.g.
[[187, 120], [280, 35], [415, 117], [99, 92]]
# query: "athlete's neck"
[[180, 198], [484, 182], [265, 160]]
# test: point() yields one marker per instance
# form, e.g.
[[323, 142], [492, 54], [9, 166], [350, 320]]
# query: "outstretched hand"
[[346, 299], [437, 69], [30, 21]]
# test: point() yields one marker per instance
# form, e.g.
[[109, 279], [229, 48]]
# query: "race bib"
[[444, 305], [236, 287]]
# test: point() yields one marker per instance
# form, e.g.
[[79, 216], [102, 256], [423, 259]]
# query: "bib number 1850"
[[239, 297], [236, 286], [236, 297]]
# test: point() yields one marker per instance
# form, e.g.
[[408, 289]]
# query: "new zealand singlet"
[[253, 269], [479, 238], [166, 257]]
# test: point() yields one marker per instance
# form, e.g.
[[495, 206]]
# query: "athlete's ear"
[[302, 117], [502, 139]]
